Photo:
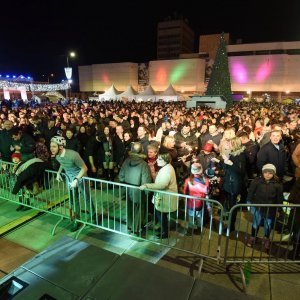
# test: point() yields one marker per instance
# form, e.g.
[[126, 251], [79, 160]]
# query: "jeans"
[[258, 218]]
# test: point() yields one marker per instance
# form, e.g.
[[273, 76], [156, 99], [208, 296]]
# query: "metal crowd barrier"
[[127, 210], [124, 209], [45, 194], [265, 234]]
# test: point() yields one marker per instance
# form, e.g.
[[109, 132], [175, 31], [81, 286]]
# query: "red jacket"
[[199, 188]]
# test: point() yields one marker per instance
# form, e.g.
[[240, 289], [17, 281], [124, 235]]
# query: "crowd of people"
[[249, 153]]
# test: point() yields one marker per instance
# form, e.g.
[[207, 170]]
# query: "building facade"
[[255, 69], [173, 38]]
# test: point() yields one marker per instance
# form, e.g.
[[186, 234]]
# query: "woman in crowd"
[[128, 139], [71, 140], [82, 137], [152, 151], [234, 166], [164, 204], [108, 161]]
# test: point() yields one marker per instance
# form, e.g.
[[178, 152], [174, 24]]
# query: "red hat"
[[16, 154], [208, 147]]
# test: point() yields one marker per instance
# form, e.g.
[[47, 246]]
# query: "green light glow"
[[179, 71]]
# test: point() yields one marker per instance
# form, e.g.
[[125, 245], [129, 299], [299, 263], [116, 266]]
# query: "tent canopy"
[[170, 91], [110, 94], [129, 93], [148, 91]]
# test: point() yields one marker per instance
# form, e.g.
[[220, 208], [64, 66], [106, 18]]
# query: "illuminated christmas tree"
[[219, 82]]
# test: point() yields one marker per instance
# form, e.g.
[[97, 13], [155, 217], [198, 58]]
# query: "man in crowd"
[[75, 168]]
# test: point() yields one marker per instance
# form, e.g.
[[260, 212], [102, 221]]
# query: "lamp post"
[[68, 71]]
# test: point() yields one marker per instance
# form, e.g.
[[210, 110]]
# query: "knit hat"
[[208, 147], [269, 168], [196, 168], [16, 154]]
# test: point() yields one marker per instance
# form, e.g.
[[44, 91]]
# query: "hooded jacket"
[[135, 171]]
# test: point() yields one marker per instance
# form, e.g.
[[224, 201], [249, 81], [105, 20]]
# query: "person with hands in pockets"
[[75, 168]]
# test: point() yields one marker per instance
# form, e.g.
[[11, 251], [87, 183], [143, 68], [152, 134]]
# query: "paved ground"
[[16, 247]]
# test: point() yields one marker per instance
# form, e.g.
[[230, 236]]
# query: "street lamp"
[[71, 54], [68, 71]]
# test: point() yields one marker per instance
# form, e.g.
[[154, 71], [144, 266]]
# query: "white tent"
[[147, 95], [111, 94], [169, 94], [129, 94]]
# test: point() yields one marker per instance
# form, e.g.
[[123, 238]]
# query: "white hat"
[[269, 168], [196, 168]]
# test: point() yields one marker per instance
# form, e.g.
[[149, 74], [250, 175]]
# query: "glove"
[[58, 177], [74, 183]]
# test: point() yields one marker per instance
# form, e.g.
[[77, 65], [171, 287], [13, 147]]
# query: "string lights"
[[34, 87]]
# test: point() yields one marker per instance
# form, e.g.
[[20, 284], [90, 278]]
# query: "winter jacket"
[[135, 171], [28, 172], [199, 188], [165, 181], [190, 139], [234, 177], [27, 144], [73, 144], [296, 160], [294, 198], [251, 157], [269, 154], [265, 192], [5, 143]]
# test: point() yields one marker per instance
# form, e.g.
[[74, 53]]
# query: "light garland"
[[34, 87]]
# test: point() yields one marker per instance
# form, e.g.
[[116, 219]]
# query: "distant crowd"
[[224, 150]]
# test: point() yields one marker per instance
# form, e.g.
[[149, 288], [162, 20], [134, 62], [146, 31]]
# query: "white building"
[[254, 68]]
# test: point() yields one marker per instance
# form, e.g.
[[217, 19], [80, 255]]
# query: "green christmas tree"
[[219, 82]]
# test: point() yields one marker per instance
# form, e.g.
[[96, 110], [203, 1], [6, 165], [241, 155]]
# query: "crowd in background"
[[222, 151]]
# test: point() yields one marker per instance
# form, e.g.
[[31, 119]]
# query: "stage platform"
[[72, 269]]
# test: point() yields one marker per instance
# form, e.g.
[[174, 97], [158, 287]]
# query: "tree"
[[219, 83]]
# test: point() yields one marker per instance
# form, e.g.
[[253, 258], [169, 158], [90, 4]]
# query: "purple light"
[[264, 71], [239, 72]]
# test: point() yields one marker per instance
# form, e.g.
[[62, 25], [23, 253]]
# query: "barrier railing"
[[267, 234], [127, 210], [176, 221], [44, 194]]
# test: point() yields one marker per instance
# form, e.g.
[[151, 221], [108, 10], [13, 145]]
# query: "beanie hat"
[[269, 168], [208, 147], [16, 154], [196, 168]]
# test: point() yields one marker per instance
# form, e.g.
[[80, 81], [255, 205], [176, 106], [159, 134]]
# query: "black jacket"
[[265, 192], [269, 154]]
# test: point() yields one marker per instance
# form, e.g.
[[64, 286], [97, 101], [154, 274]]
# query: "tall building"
[[209, 44], [173, 38]]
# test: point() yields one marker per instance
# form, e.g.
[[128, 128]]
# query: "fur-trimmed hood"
[[237, 152]]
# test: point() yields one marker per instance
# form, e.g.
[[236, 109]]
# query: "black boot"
[[112, 175], [106, 174]]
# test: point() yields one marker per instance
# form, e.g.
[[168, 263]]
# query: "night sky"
[[37, 35]]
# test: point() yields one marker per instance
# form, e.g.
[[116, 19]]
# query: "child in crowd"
[[264, 190], [196, 185]]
